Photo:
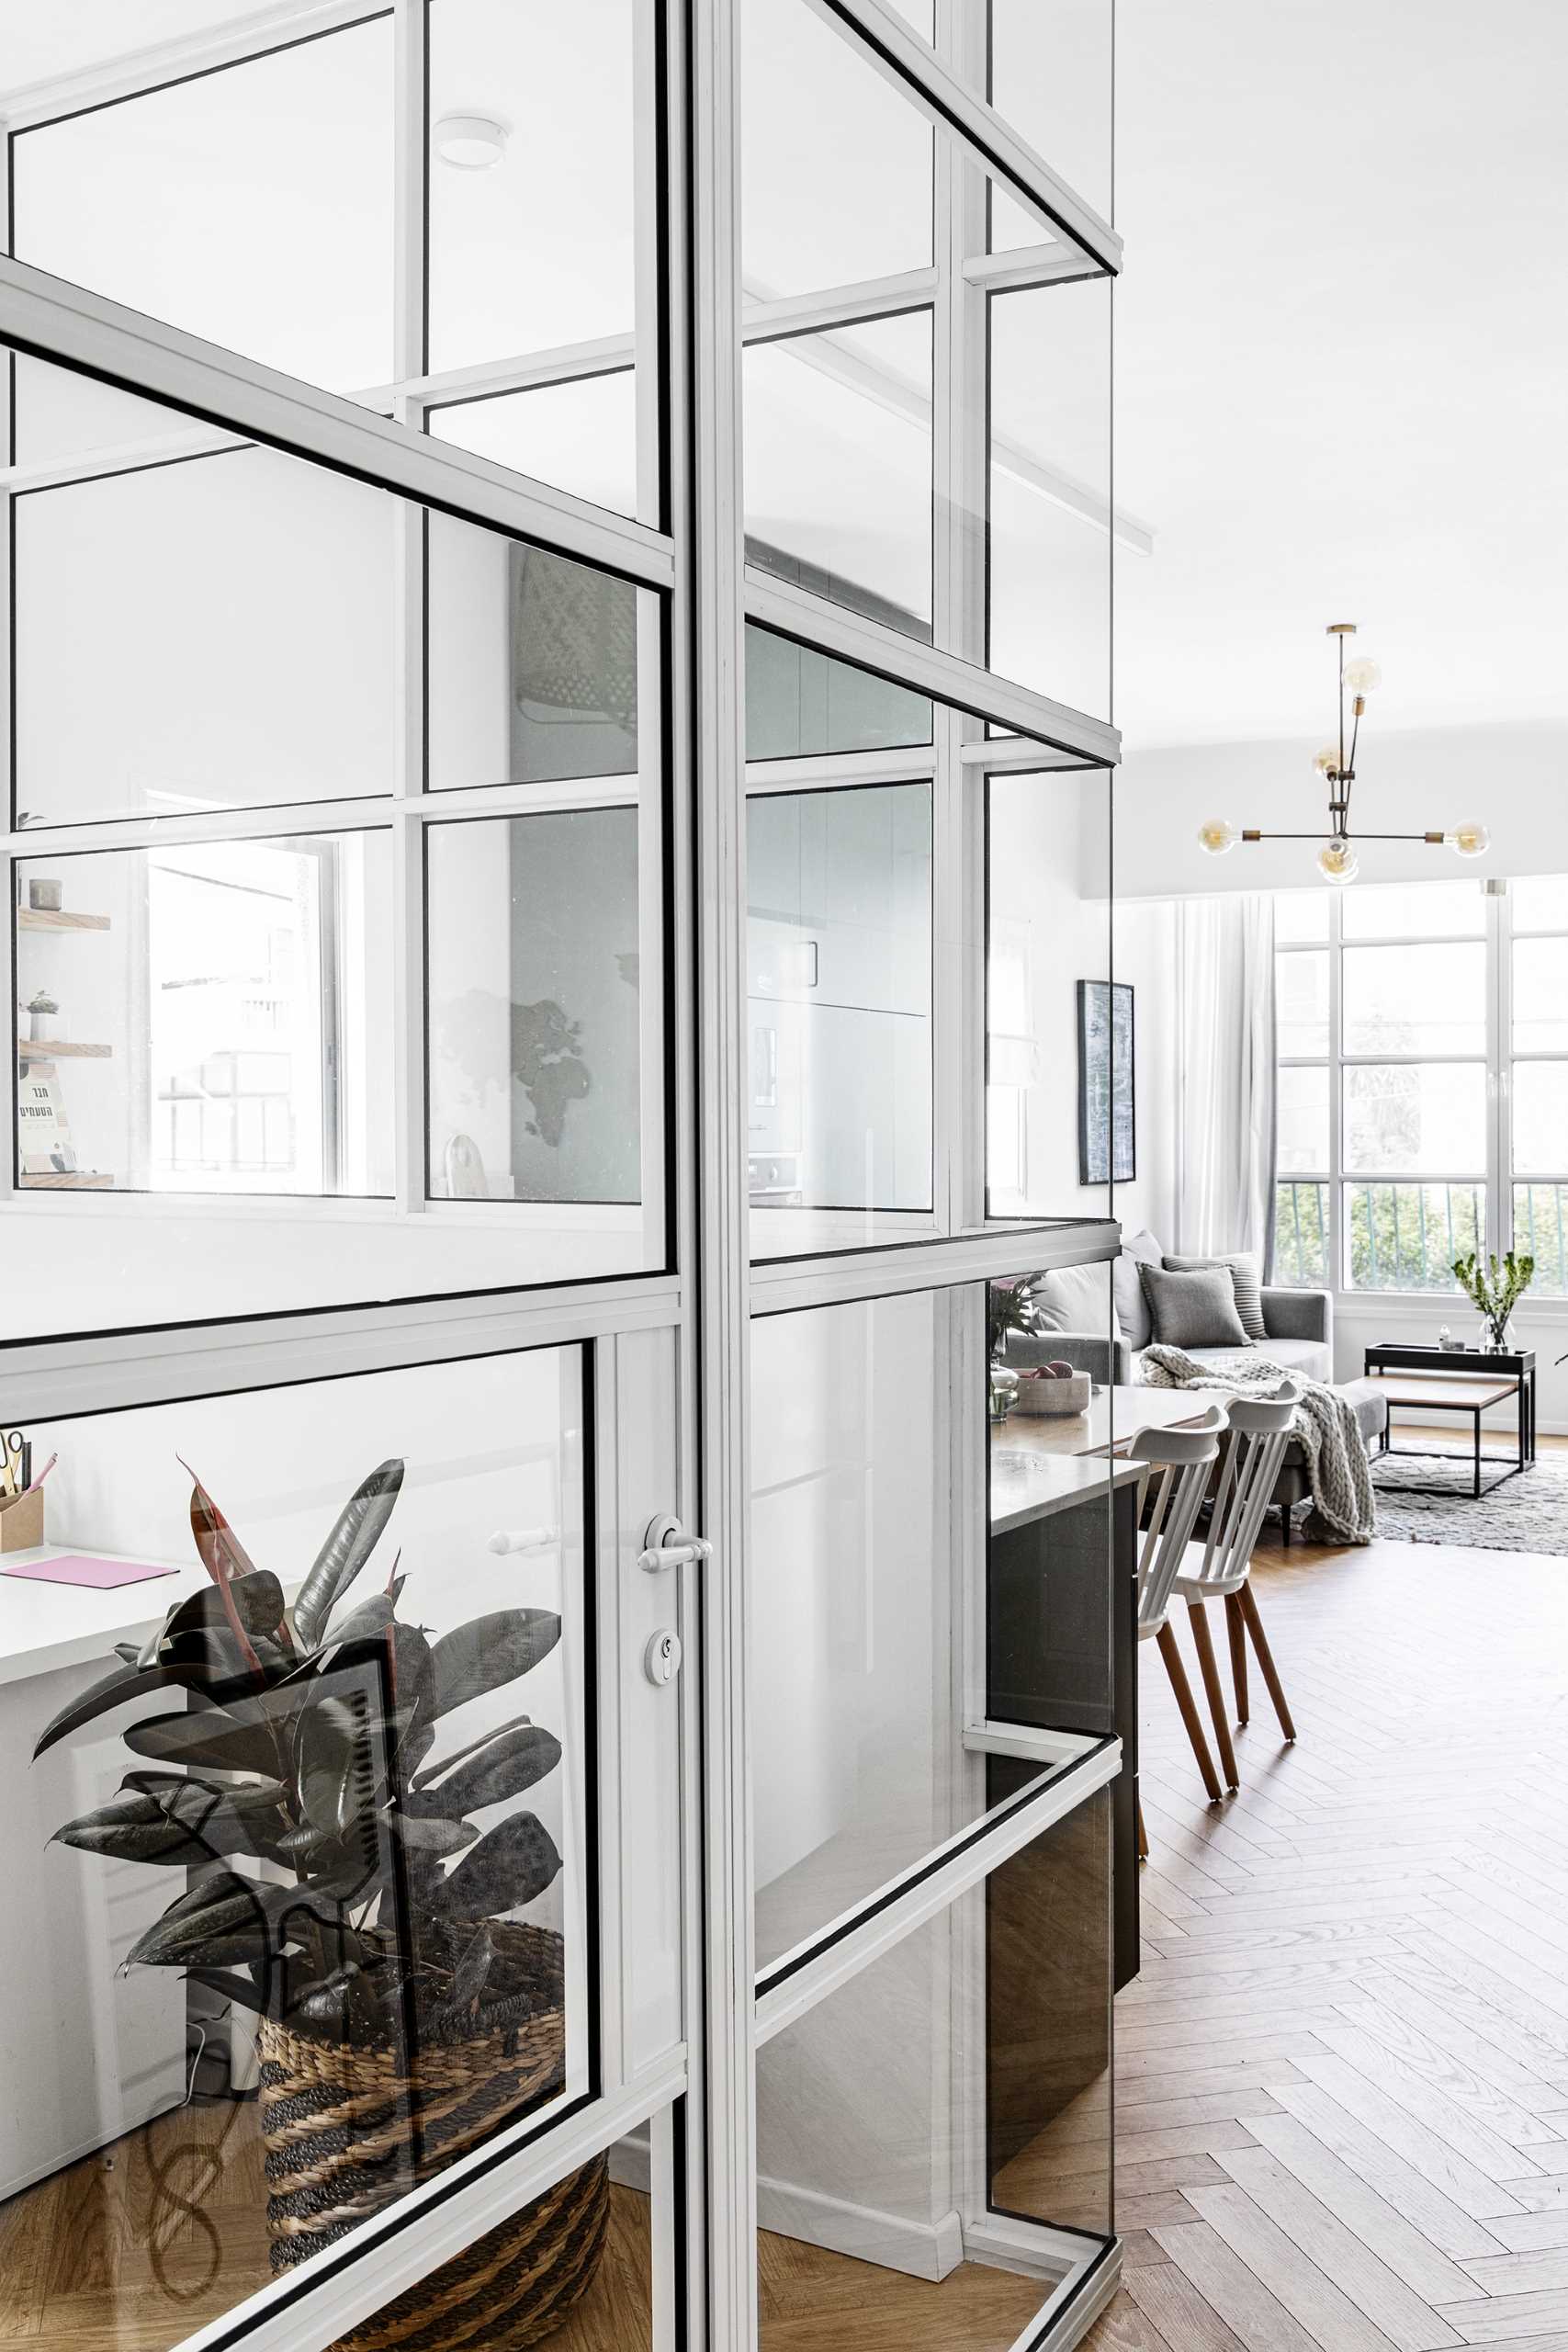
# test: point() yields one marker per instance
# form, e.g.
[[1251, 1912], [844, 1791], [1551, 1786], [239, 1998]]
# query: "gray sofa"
[[1299, 1324]]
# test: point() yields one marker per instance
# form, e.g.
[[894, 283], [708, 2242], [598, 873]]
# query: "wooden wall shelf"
[[57, 1049], [36, 919], [79, 1180]]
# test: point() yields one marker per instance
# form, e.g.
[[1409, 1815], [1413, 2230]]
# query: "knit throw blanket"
[[1343, 1507]]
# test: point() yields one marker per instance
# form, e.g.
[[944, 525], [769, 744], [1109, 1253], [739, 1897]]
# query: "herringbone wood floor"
[[1342, 2077]]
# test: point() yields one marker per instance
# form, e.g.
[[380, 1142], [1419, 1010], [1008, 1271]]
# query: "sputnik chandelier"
[[1336, 860]]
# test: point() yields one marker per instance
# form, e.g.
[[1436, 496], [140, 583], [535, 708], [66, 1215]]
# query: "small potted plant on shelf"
[[1495, 1289], [334, 1883]]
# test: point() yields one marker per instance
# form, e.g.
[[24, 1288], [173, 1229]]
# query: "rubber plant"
[[365, 1906]]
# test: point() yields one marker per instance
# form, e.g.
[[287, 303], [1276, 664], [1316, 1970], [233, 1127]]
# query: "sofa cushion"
[[1247, 1274], [1306, 1356], [1193, 1310], [1075, 1298], [1132, 1306]]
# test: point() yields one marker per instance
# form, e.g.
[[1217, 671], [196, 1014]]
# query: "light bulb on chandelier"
[[1338, 862], [1468, 841], [1217, 836]]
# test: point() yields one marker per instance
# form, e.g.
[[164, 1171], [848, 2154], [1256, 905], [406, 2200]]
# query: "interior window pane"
[[536, 1018], [869, 2182], [533, 663], [1303, 1105], [1415, 1000], [1406, 1237], [579, 436], [341, 1904], [1300, 917], [1301, 1252], [237, 647], [1050, 930], [1051, 78], [1541, 1118], [839, 464], [836, 164], [859, 1767], [1541, 1226], [800, 703], [1301, 1000], [1540, 901], [1541, 996], [220, 1014], [206, 1018], [839, 994], [174, 203], [1415, 1119], [57, 413], [1050, 491], [1414, 910], [532, 217]]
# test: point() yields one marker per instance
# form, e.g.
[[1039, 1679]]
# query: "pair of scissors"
[[16, 1451]]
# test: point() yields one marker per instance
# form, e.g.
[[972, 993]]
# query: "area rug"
[[1528, 1513]]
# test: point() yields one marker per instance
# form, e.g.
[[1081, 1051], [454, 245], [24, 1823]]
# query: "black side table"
[[1475, 1365]]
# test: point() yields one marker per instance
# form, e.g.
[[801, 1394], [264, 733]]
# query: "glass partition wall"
[[554, 649]]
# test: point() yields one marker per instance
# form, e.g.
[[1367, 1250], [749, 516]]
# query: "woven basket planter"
[[349, 2129]]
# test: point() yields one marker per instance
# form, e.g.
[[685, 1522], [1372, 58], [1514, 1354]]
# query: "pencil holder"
[[21, 1522]]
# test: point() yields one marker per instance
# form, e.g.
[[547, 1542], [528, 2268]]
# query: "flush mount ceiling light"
[[1336, 860], [470, 143]]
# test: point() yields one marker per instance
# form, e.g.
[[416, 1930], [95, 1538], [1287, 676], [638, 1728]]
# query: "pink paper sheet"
[[80, 1568]]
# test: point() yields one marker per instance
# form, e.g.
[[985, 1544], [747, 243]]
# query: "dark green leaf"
[[125, 1682], [366, 1617], [232, 1739], [176, 1822], [488, 1652], [228, 1918], [434, 1833], [346, 1549], [433, 1772], [510, 1866], [507, 1765], [332, 1762]]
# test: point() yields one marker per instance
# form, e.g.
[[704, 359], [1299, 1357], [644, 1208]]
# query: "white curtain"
[[1226, 1161]]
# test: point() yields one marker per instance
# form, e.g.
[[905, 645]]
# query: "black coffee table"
[[1474, 1380]]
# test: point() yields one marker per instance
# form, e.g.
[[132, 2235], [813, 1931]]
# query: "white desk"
[[87, 2050], [44, 1626]]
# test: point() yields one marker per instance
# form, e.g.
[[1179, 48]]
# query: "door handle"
[[665, 1545]]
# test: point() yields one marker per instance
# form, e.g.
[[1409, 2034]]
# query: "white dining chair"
[[1185, 1459], [1259, 1431]]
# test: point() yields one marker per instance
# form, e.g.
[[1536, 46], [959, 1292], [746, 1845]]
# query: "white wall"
[[1048, 873], [1514, 779]]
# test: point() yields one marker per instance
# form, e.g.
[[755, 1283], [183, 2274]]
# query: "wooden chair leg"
[[1143, 1835], [1189, 1716], [1265, 1659], [1236, 1625], [1208, 1667]]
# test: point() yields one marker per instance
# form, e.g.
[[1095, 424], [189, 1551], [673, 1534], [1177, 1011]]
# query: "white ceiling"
[[1340, 360]]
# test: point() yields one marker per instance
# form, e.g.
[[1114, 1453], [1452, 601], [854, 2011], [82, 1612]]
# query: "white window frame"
[[1499, 1058]]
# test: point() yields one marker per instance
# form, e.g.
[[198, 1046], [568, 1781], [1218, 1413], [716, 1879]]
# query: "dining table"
[[1061, 1616]]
